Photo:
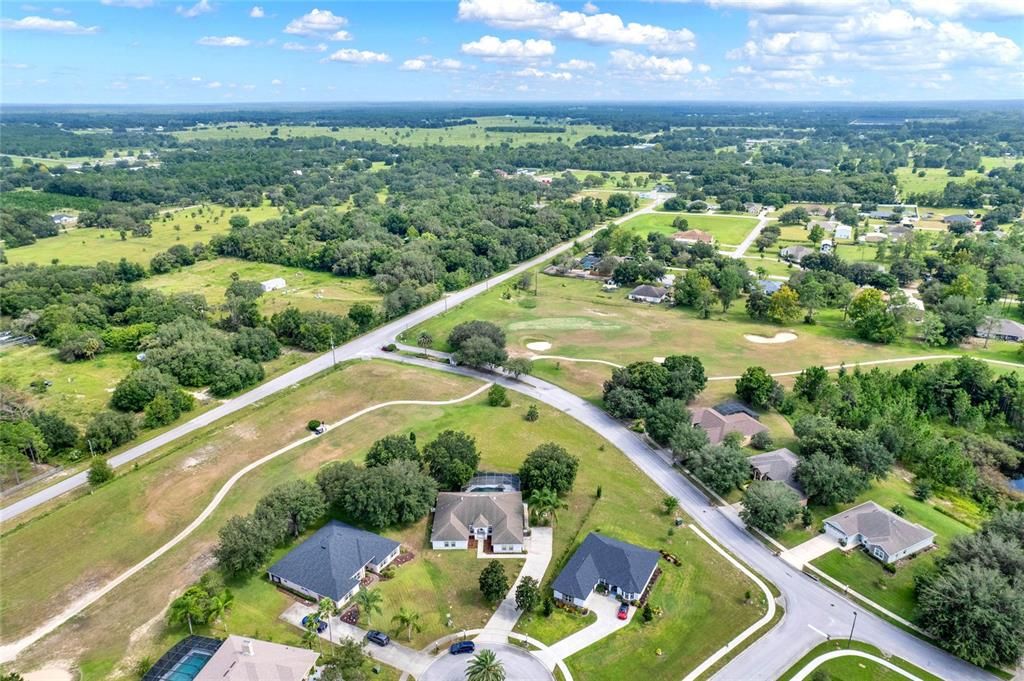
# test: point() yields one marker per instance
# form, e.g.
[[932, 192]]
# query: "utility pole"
[[849, 641], [334, 360]]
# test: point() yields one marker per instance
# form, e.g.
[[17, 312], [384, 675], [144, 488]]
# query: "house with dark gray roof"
[[1000, 329], [495, 517], [882, 533], [624, 569], [795, 253], [332, 562], [777, 466]]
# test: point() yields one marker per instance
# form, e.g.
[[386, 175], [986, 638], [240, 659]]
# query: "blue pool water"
[[1017, 484], [189, 666]]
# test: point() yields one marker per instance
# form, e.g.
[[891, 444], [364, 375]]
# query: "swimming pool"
[[188, 667]]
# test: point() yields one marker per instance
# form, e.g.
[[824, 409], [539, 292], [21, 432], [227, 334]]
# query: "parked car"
[[623, 611], [321, 626], [378, 637], [462, 647]]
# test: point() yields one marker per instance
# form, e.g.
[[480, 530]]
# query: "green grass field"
[[86, 246], [857, 668], [558, 625], [466, 135], [934, 180], [727, 229], [47, 201], [306, 289], [614, 177]]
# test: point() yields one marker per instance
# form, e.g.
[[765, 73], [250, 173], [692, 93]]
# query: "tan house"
[[250, 659], [884, 535], [498, 518], [717, 425], [692, 236]]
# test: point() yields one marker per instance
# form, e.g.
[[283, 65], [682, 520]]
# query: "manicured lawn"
[[87, 246], [306, 289], [615, 176], [552, 629], [468, 135], [857, 668], [728, 229]]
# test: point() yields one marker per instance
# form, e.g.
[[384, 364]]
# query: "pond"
[[1017, 483]]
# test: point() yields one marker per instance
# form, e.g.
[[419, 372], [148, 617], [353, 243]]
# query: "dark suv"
[[461, 647], [378, 637]]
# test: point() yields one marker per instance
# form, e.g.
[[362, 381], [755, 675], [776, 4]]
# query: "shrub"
[[762, 441], [313, 424], [497, 396], [532, 414], [100, 471]]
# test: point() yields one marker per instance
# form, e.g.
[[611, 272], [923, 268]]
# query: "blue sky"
[[210, 51]]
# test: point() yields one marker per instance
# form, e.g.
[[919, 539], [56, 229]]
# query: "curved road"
[[813, 611], [368, 342]]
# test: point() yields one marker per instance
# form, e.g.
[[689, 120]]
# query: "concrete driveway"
[[607, 610], [537, 558], [798, 556], [520, 665]]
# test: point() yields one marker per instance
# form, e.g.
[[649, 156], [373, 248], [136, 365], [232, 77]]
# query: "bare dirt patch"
[[781, 337], [538, 346], [59, 670]]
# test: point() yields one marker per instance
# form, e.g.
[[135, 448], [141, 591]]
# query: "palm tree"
[[408, 620], [369, 602], [325, 610], [485, 666], [219, 606], [545, 504], [311, 633]]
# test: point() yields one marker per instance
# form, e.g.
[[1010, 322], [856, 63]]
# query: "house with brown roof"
[[495, 517], [884, 535], [692, 236], [717, 425]]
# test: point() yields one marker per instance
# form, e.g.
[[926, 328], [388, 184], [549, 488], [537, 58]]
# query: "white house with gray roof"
[[332, 562], [625, 569], [885, 535], [498, 517]]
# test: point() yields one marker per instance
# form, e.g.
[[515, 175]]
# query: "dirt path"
[[11, 650]]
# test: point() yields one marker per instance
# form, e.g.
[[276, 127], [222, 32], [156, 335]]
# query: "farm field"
[[728, 229], [306, 289], [934, 180], [581, 321], [47, 201], [857, 668], [466, 135], [87, 246], [612, 179], [434, 584]]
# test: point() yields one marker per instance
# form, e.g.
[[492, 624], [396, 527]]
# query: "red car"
[[623, 611]]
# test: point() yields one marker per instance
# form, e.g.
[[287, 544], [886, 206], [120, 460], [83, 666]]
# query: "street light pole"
[[849, 641]]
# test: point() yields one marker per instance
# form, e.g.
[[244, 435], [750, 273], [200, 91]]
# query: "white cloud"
[[195, 79], [213, 85], [340, 36], [522, 88], [577, 65], [224, 41], [317, 23], [257, 12], [61, 12], [492, 47], [549, 19], [531, 72], [976, 9], [817, 7], [277, 82], [426, 62], [590, 8], [119, 85], [201, 7], [302, 47], [136, 4], [15, 65], [350, 56], [65, 26], [651, 67]]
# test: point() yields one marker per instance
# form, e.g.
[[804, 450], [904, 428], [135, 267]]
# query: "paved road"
[[359, 346], [519, 665], [818, 661], [754, 233], [813, 611]]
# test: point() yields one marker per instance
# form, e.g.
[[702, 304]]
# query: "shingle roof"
[[327, 562], [1001, 327], [648, 291], [717, 426], [730, 407], [501, 511], [956, 218], [778, 465], [880, 527], [248, 659], [693, 235], [768, 286], [796, 252], [600, 558]]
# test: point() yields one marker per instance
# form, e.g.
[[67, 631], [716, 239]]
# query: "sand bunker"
[[659, 360], [55, 671], [782, 337], [538, 346]]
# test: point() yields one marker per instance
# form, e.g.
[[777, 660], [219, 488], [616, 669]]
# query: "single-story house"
[[332, 562], [826, 246], [496, 516], [778, 466], [645, 293], [589, 261], [815, 209], [272, 284], [768, 286], [873, 237], [897, 232], [752, 208], [957, 220], [662, 188], [625, 569], [717, 425], [885, 535], [64, 219], [795, 253], [880, 214], [842, 231], [250, 659], [1001, 329], [730, 407], [692, 236]]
